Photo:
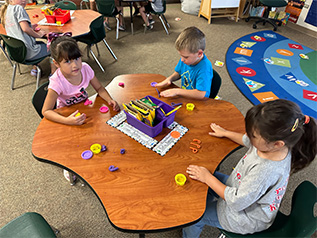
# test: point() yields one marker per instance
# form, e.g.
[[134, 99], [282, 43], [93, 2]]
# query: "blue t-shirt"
[[197, 76]]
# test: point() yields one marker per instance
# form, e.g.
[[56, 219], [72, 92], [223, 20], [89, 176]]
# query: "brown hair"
[[64, 47], [283, 120], [191, 39], [3, 12]]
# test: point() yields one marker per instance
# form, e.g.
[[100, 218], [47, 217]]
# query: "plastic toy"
[[121, 84], [176, 104], [194, 150], [158, 92], [196, 140], [95, 148], [122, 151], [87, 154], [180, 179], [103, 148], [190, 106], [87, 102], [112, 168], [78, 114], [104, 109], [153, 84], [198, 146]]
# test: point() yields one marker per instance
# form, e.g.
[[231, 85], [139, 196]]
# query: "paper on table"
[[44, 22]]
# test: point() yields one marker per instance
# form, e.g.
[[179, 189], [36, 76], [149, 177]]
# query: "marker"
[[175, 109]]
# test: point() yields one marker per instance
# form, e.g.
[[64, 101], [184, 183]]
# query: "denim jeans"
[[210, 216]]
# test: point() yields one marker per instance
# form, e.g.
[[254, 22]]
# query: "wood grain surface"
[[142, 195], [78, 25]]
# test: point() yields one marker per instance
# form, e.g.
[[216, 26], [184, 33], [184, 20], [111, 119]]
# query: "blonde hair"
[[191, 39], [3, 12]]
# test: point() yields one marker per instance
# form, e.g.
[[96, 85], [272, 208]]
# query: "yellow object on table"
[[180, 179]]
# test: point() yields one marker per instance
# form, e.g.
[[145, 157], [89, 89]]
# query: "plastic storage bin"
[[59, 16], [161, 120]]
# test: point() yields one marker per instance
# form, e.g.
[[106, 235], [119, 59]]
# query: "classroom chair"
[[2, 46], [161, 17], [108, 9], [30, 224], [265, 19], [215, 85], [66, 5], [17, 52], [97, 33], [81, 4], [301, 221]]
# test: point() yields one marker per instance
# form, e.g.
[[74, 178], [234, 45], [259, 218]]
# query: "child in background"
[[280, 140], [194, 68], [17, 24], [152, 5], [68, 84]]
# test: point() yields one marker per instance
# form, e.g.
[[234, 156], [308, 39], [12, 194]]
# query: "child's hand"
[[197, 172], [218, 131], [114, 105], [34, 26], [73, 120], [170, 93], [164, 83]]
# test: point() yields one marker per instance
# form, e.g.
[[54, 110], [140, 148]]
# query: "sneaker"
[[33, 72], [121, 28], [66, 175], [151, 21], [106, 24], [149, 27]]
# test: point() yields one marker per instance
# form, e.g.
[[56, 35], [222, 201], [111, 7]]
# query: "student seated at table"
[[194, 68], [152, 5], [68, 84], [17, 24]]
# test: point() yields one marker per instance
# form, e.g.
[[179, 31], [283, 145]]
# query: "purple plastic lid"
[[153, 84], [87, 154]]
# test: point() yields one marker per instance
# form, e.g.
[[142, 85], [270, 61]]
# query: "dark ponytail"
[[283, 120]]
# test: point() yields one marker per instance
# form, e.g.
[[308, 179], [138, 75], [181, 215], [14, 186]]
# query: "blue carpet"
[[266, 65]]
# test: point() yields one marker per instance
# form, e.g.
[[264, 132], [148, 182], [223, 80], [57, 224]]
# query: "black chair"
[[66, 5], [97, 33], [300, 223], [161, 17], [17, 52], [269, 4], [215, 85], [30, 224], [2, 46]]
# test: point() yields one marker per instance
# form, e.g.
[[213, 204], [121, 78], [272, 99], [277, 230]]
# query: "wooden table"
[[78, 25], [142, 195]]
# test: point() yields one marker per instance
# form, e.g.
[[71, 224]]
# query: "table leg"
[[131, 17]]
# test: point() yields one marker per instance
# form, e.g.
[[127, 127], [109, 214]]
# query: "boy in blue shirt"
[[194, 68]]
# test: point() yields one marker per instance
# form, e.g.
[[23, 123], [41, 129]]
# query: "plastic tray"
[[161, 121]]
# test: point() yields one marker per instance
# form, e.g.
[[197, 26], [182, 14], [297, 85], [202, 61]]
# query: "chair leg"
[[13, 75], [19, 68], [5, 53], [97, 61], [97, 50], [38, 76], [117, 32], [167, 33], [168, 25], [147, 20], [110, 50]]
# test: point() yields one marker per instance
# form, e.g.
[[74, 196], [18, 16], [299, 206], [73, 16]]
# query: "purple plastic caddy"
[[161, 119]]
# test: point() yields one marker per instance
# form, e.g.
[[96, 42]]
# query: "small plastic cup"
[[180, 179], [95, 148], [190, 106]]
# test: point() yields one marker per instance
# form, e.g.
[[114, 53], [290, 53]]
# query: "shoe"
[[121, 28], [33, 72], [66, 175], [136, 12], [106, 24], [149, 27], [151, 21]]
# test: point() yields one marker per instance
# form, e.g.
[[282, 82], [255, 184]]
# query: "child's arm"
[[167, 82], [28, 30], [203, 175], [218, 131], [188, 93], [104, 94], [50, 114]]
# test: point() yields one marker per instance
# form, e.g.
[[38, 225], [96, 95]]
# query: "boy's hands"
[[198, 173], [165, 83], [218, 131], [73, 120], [170, 92], [114, 105]]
